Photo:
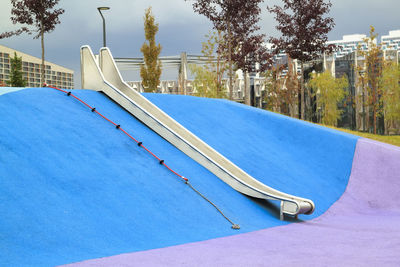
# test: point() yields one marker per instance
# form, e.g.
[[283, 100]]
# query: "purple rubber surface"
[[361, 229]]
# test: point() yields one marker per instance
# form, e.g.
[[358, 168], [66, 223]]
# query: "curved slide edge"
[[102, 74]]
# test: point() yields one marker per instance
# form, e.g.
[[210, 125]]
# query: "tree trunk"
[[374, 109], [218, 81], [302, 102], [247, 100], [230, 61], [42, 41]]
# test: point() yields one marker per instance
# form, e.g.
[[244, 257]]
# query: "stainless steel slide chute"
[[100, 73]]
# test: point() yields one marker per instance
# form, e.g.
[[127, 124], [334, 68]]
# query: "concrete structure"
[[184, 83], [174, 87], [56, 75]]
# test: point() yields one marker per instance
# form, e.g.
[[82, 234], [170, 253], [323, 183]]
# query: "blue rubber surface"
[[287, 154], [73, 187]]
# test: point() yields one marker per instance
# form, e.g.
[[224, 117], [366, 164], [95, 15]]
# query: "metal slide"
[[101, 74]]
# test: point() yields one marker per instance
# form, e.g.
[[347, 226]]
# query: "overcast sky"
[[180, 28]]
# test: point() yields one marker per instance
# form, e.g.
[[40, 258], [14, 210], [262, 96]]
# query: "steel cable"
[[140, 144]]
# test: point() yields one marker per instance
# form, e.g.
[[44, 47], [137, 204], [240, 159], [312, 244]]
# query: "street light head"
[[104, 23]]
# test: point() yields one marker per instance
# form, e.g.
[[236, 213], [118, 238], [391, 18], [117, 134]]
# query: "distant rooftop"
[[349, 38], [395, 33]]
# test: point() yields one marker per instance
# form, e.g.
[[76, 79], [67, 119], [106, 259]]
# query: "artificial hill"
[[74, 188]]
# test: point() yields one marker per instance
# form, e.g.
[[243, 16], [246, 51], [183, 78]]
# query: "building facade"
[[391, 45], [56, 75], [349, 44], [391, 41]]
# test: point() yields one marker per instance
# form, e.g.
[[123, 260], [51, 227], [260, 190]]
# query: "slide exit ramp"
[[100, 73]]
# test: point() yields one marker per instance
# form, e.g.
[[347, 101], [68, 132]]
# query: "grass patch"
[[389, 139]]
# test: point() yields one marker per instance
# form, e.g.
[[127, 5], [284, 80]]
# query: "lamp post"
[[104, 23]]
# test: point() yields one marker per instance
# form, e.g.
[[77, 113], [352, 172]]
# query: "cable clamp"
[[139, 144], [236, 226], [69, 93], [93, 109], [118, 126], [162, 162]]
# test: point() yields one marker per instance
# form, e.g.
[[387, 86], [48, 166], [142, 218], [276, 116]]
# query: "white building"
[[31, 68], [349, 44], [391, 45], [391, 41]]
